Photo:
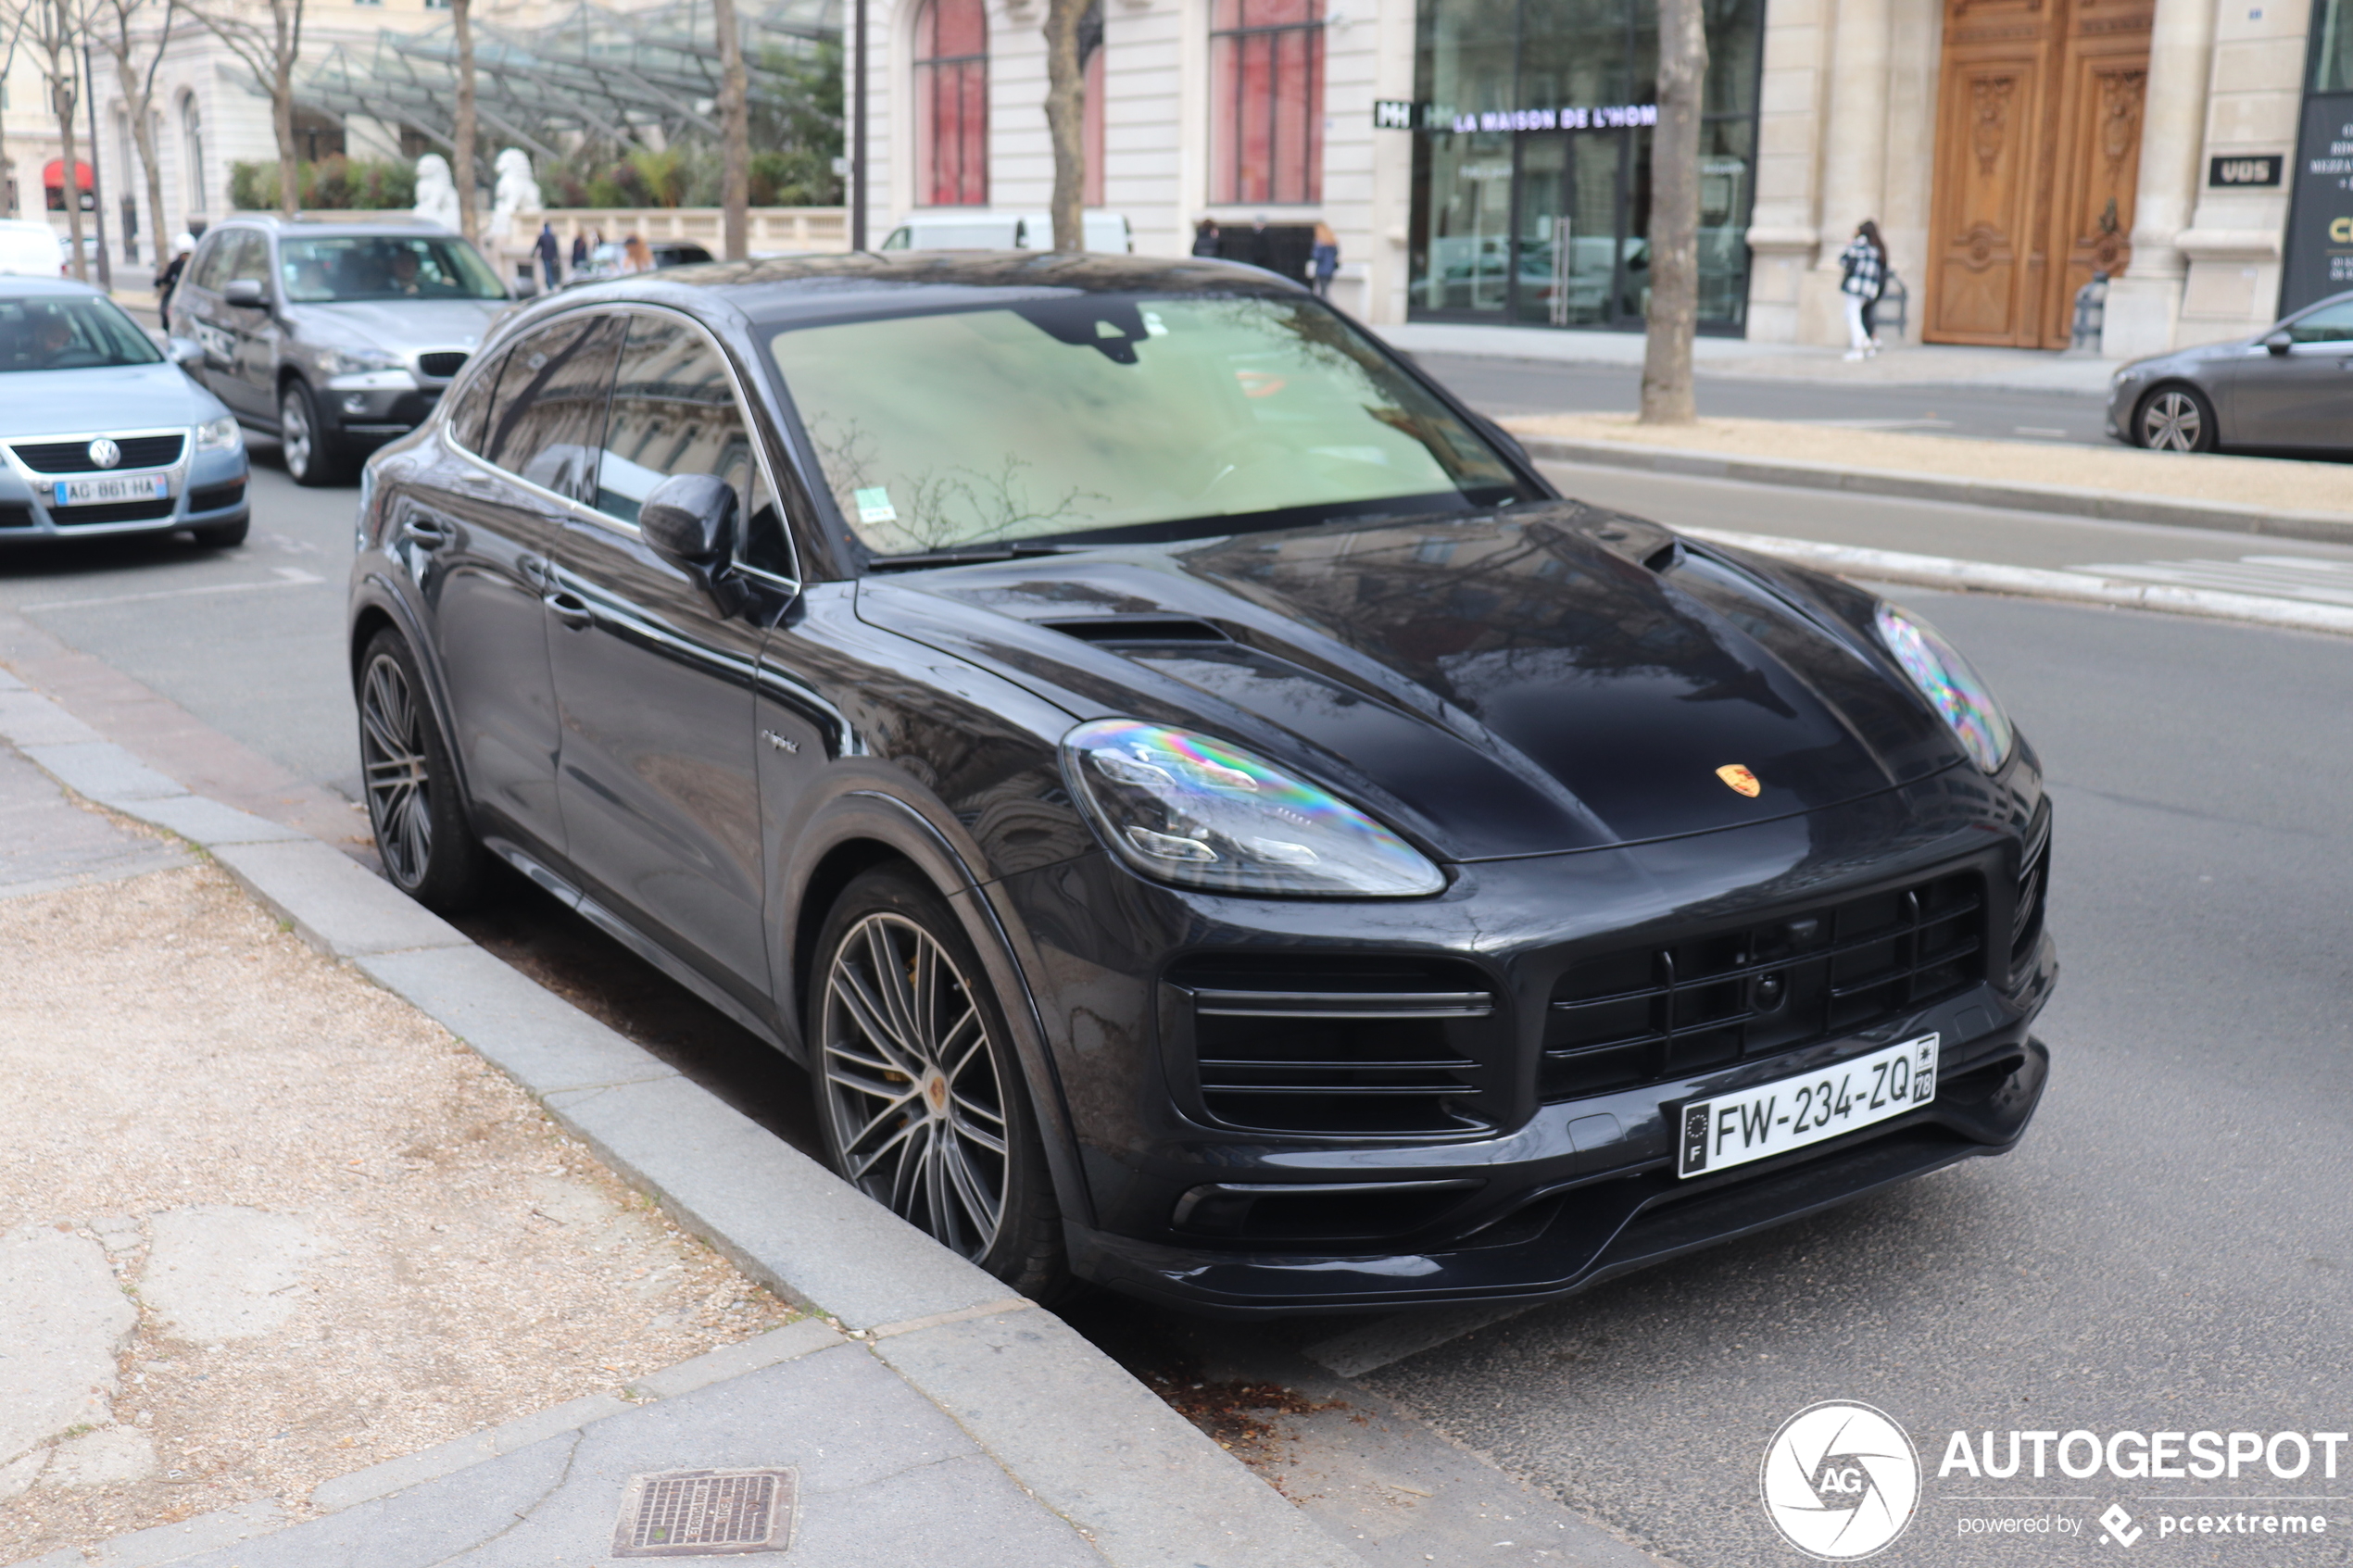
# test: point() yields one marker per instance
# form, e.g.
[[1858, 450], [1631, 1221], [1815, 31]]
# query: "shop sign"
[[1608, 116], [2239, 172], [2319, 261]]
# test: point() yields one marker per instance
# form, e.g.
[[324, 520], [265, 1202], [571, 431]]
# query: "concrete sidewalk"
[[922, 1416], [1938, 365]]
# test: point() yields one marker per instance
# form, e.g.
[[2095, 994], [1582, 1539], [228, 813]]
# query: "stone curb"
[[2070, 500], [1066, 1421], [2080, 587]]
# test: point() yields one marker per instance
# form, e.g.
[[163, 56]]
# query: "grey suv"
[[334, 336]]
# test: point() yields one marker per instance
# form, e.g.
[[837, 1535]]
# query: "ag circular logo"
[[1841, 1481]]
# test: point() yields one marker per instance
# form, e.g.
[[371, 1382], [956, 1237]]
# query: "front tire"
[[414, 803], [2175, 418], [921, 1095], [310, 453]]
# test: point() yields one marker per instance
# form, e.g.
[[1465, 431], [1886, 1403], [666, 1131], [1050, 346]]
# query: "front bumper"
[[1547, 1184], [372, 413], [208, 489]]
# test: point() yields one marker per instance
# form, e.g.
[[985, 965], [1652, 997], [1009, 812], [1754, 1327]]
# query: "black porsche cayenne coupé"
[[1210, 819]]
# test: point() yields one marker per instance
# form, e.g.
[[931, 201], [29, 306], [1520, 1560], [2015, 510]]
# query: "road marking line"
[[2080, 587], [288, 577], [2036, 430], [2323, 581]]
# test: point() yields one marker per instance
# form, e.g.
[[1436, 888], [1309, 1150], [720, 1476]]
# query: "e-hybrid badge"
[[1792, 1112]]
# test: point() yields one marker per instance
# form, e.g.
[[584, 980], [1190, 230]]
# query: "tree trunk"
[[461, 140], [735, 135], [1066, 120], [143, 137], [281, 118], [1673, 236], [61, 98]]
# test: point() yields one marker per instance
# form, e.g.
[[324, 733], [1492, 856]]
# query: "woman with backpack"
[[1862, 269]]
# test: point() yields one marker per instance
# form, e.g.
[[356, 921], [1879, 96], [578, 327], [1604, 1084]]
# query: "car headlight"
[[1183, 808], [219, 435], [357, 361], [1958, 693]]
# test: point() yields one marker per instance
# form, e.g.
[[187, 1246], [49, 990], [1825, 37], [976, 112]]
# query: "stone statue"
[[516, 192], [436, 193]]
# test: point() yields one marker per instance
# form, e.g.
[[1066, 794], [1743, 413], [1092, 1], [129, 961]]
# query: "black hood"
[[1547, 680]]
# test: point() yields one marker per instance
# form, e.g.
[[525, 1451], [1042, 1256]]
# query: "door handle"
[[570, 609], [426, 531]]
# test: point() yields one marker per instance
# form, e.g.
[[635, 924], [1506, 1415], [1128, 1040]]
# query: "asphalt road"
[[2168, 1249], [1537, 386]]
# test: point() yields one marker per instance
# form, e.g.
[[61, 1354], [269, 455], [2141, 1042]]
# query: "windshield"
[[384, 267], [1079, 415], [70, 334]]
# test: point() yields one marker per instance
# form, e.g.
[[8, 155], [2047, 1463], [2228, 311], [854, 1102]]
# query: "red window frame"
[[952, 104], [1267, 105]]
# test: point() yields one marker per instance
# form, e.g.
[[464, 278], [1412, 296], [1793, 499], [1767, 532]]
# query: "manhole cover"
[[706, 1513]]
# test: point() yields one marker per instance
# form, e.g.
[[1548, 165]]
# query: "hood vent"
[[1120, 631]]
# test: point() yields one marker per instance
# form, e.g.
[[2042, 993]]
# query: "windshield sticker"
[[874, 505]]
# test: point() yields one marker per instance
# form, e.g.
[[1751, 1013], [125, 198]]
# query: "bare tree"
[[13, 18], [271, 53], [1674, 310], [54, 27], [461, 138], [734, 134], [118, 24], [1066, 118]]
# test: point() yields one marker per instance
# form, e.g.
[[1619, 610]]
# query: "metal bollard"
[[2090, 316]]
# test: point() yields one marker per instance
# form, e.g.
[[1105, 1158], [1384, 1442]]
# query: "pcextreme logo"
[[1841, 1481]]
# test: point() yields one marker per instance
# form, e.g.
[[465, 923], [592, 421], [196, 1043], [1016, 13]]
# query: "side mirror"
[[245, 291], [184, 352], [689, 521], [2279, 342]]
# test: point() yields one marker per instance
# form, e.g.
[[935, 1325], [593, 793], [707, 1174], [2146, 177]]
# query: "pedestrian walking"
[[637, 256], [1205, 237], [578, 250], [169, 278], [1323, 261], [550, 251], [1863, 267]]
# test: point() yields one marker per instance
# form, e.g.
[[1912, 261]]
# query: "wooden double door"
[[2038, 154]]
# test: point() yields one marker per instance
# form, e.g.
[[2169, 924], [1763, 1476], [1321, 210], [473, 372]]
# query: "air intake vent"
[[443, 365], [1341, 1045], [15, 514], [1139, 629], [2034, 889], [1645, 1015]]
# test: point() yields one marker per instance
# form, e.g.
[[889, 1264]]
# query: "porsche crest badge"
[[1740, 778]]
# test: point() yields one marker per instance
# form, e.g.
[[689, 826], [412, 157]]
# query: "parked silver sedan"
[[2289, 388], [101, 433]]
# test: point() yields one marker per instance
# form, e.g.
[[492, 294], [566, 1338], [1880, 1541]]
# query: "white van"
[[29, 248], [955, 229]]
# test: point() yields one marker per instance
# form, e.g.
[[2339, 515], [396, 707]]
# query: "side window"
[[470, 409], [674, 412], [548, 419], [205, 271], [246, 256], [2331, 324]]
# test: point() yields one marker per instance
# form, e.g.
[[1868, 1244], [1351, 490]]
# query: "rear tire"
[[2175, 418], [921, 1097], [311, 454], [414, 803]]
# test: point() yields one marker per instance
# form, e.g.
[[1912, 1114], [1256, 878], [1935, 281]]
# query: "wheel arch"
[[865, 828], [377, 607]]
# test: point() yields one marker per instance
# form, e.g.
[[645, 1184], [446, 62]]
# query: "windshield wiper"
[[964, 555]]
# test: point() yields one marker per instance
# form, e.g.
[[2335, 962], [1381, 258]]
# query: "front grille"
[[1342, 1044], [213, 497], [117, 511], [15, 514], [442, 365], [73, 457], [1650, 1014]]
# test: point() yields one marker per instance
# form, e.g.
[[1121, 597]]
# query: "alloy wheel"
[[911, 1084], [2172, 422], [392, 754], [294, 435]]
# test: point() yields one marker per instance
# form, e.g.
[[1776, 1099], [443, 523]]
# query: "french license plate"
[[113, 487], [1775, 1118]]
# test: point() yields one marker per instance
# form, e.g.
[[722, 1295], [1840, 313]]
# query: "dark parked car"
[[334, 336], [1210, 818], [2288, 388]]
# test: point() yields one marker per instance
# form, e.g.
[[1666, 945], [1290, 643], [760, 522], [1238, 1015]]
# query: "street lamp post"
[[97, 198], [858, 135]]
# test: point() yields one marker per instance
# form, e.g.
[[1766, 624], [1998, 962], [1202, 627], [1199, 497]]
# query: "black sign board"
[[2231, 173], [2319, 226]]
